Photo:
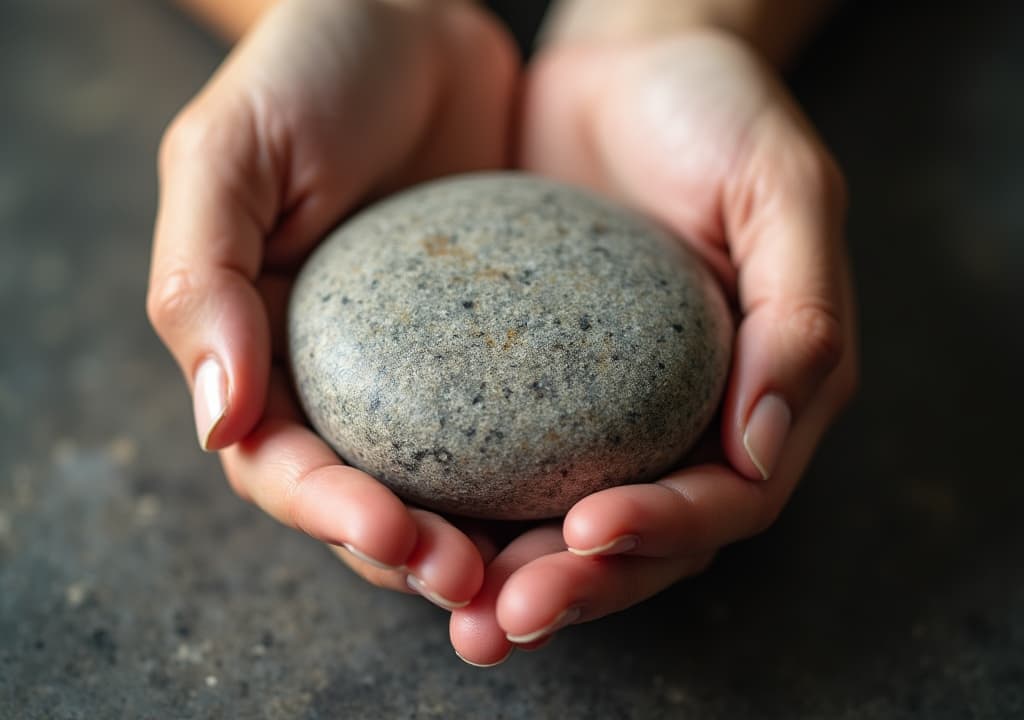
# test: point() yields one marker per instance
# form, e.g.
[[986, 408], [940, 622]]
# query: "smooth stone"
[[500, 346]]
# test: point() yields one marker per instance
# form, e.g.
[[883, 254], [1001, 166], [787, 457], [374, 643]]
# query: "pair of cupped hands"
[[325, 106]]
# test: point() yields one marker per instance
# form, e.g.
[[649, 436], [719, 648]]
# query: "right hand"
[[323, 106]]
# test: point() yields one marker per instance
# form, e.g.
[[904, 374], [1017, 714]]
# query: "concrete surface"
[[134, 585]]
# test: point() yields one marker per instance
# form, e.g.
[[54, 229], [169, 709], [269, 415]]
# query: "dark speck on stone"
[[527, 266]]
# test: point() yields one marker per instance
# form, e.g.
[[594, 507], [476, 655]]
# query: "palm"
[[694, 131], [354, 116], [362, 99], [662, 127], [322, 107]]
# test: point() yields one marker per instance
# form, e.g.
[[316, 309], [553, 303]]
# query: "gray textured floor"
[[133, 584]]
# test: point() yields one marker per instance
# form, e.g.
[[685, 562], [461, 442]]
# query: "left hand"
[[695, 130]]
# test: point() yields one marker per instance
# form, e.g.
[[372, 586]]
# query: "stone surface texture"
[[499, 345], [134, 583]]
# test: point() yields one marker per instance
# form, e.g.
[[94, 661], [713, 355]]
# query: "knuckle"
[[295, 491], [184, 137], [172, 302], [819, 336]]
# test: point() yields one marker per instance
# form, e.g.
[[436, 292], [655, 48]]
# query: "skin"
[[326, 105]]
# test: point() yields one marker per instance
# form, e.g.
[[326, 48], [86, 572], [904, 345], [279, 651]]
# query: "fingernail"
[[766, 433], [209, 398], [621, 544], [367, 559], [417, 585], [487, 665], [566, 617]]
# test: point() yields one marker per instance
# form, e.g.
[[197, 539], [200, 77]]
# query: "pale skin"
[[325, 105]]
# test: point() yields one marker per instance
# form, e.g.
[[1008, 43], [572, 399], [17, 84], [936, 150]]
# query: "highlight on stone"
[[500, 345]]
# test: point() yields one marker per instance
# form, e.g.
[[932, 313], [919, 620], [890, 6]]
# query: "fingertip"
[[782, 358], [210, 392], [541, 597], [487, 664], [239, 337], [602, 523], [477, 638], [475, 631], [445, 566], [616, 546], [765, 433], [344, 506], [215, 324]]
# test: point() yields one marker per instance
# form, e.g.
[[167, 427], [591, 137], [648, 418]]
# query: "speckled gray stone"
[[500, 346]]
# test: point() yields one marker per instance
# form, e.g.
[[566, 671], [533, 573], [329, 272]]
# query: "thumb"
[[783, 216], [216, 204]]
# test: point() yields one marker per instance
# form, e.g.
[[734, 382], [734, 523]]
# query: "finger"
[[475, 633], [783, 219], [216, 204], [445, 566], [562, 589], [694, 511], [270, 155], [288, 471]]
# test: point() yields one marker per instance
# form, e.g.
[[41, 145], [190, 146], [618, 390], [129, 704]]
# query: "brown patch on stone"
[[442, 246], [511, 338], [490, 273]]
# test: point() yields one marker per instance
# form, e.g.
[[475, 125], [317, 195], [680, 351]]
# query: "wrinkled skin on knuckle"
[[184, 138], [819, 335], [172, 302]]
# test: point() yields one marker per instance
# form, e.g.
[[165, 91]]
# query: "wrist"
[[231, 19], [776, 28]]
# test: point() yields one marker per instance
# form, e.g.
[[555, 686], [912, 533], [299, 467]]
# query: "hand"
[[324, 105], [695, 130]]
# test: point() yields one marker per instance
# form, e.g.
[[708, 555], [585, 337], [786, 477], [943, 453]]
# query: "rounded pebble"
[[500, 345]]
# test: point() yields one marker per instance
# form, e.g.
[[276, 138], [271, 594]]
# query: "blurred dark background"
[[133, 584]]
